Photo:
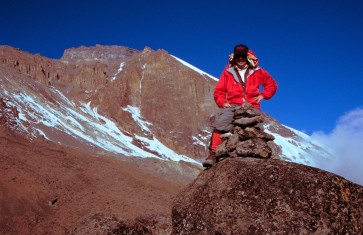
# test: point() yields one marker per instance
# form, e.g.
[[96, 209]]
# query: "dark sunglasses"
[[243, 56]]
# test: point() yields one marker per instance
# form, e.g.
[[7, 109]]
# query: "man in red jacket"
[[239, 83]]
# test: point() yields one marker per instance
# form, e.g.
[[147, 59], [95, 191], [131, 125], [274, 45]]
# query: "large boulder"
[[268, 196]]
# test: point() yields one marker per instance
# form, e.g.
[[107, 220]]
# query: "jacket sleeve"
[[269, 85], [220, 91]]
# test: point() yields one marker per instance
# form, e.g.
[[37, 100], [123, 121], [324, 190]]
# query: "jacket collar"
[[250, 72]]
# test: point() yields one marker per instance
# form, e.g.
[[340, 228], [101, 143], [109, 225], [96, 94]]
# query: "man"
[[239, 83]]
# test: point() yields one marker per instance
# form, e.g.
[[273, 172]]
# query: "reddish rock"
[[8, 115]]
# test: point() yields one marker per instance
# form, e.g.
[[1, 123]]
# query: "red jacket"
[[229, 89]]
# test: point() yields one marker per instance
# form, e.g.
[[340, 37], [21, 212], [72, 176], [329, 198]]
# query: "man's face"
[[241, 60]]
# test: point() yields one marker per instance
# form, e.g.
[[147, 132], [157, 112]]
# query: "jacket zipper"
[[244, 99]]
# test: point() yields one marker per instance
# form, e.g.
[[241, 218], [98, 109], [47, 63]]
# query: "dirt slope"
[[49, 189]]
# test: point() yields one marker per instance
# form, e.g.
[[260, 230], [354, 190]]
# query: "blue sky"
[[313, 49]]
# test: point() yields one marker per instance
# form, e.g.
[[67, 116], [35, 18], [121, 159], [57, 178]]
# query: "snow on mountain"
[[195, 68], [38, 116], [299, 147], [118, 71]]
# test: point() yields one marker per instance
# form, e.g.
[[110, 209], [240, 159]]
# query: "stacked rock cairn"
[[247, 138]]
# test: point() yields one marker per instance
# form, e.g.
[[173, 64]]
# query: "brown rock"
[[253, 148], [248, 121], [255, 132], [244, 108], [221, 150], [232, 143], [254, 196], [247, 111]]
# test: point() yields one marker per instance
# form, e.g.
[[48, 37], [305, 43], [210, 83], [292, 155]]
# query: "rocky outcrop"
[[80, 71], [39, 68], [8, 114], [268, 196], [98, 52]]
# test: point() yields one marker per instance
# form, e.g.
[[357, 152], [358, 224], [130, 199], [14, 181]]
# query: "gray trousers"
[[224, 120]]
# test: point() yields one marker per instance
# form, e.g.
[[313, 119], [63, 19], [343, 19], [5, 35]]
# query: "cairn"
[[247, 138]]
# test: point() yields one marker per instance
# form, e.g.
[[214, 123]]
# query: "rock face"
[[113, 79], [268, 196], [7, 114]]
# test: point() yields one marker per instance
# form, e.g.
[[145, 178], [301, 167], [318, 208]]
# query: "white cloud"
[[346, 140]]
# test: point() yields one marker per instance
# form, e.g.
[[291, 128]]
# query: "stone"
[[226, 136], [248, 121], [253, 148], [257, 196], [232, 142], [221, 150], [253, 132], [244, 112]]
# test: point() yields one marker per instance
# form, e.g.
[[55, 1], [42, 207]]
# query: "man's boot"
[[211, 160]]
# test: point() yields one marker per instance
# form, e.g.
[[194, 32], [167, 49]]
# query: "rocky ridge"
[[98, 52]]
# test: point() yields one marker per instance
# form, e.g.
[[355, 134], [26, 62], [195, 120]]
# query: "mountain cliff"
[[135, 108]]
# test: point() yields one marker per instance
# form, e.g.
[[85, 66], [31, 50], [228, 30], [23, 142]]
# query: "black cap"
[[240, 50]]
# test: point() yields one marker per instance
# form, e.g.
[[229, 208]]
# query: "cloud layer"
[[346, 143]]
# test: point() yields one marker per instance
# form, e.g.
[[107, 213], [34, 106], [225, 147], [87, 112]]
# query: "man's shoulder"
[[259, 70], [229, 70]]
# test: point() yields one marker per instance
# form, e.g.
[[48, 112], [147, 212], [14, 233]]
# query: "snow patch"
[[301, 149], [118, 71], [195, 69], [135, 113], [166, 153], [154, 144]]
